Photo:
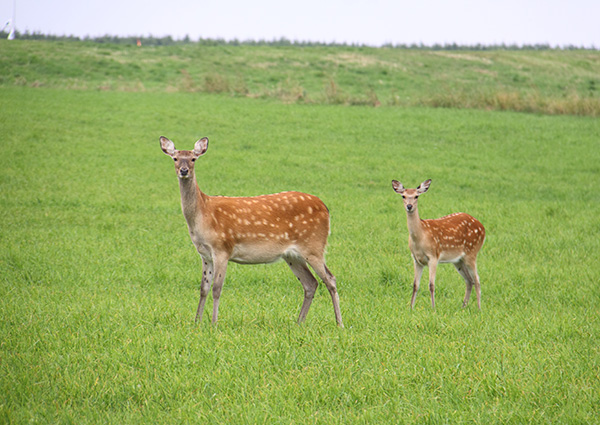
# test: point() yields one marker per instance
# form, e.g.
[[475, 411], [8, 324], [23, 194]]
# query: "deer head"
[[410, 196], [184, 160]]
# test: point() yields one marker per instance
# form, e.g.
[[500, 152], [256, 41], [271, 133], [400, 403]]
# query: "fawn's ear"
[[167, 146], [423, 187], [398, 186], [201, 146]]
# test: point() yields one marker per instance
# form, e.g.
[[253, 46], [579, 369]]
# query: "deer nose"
[[184, 171], [409, 207]]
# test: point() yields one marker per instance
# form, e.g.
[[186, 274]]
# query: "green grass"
[[548, 81], [99, 280]]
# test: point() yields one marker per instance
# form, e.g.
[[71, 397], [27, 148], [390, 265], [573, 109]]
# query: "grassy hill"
[[99, 280], [544, 81]]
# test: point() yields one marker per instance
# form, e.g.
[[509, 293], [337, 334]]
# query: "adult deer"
[[456, 238], [250, 230]]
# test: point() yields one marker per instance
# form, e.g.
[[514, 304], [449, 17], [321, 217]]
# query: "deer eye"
[[403, 197], [193, 159], [175, 159]]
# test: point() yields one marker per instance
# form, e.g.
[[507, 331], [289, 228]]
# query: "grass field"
[[99, 280], [547, 81]]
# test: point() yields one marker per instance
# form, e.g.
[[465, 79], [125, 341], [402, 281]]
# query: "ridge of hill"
[[540, 81]]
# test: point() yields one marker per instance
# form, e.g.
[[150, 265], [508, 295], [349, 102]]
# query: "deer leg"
[[416, 282], [478, 290], [472, 268], [207, 275], [464, 272], [432, 270], [334, 295], [318, 265], [468, 271], [309, 283], [220, 268]]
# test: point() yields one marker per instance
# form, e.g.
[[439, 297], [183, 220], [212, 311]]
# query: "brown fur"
[[455, 238], [292, 226]]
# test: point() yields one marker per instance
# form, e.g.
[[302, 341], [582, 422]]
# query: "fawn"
[[456, 238]]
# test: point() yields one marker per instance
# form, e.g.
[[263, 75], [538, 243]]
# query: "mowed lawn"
[[99, 280]]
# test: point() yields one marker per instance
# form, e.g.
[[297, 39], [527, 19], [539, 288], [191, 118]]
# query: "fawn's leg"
[[416, 282], [220, 267], [432, 271], [207, 276]]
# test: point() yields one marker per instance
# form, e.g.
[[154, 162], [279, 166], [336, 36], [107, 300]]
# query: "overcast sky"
[[372, 22]]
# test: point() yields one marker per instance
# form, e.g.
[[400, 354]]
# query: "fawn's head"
[[184, 160], [410, 196]]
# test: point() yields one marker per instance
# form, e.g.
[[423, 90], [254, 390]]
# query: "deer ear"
[[423, 187], [398, 186], [167, 146], [201, 146]]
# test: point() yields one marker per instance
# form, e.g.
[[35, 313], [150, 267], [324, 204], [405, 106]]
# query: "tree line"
[[170, 41]]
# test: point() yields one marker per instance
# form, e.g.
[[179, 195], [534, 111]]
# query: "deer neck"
[[192, 200], [415, 225]]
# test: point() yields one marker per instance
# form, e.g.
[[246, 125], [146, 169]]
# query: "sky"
[[557, 23]]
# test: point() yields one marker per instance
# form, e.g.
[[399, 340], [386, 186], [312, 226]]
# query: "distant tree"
[[281, 42]]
